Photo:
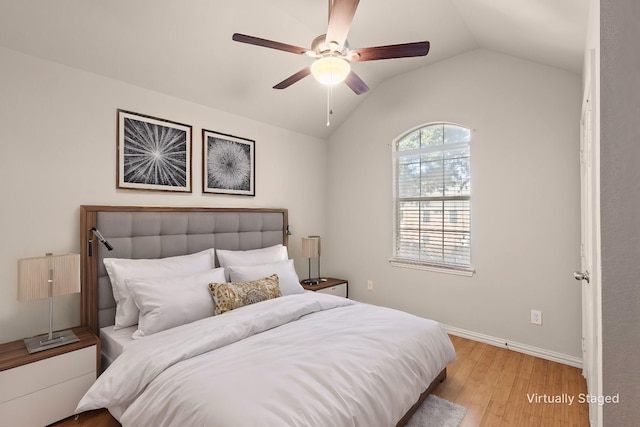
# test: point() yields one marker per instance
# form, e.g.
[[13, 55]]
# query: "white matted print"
[[153, 153], [228, 164]]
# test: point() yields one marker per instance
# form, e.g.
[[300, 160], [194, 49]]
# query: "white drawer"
[[338, 290], [48, 405], [45, 373]]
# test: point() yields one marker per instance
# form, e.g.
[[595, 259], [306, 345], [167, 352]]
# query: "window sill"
[[416, 265]]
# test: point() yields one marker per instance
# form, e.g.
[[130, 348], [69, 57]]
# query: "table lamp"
[[47, 277], [311, 249]]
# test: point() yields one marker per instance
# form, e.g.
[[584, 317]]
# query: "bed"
[[300, 359]]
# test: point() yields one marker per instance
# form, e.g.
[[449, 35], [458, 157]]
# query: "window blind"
[[433, 196]]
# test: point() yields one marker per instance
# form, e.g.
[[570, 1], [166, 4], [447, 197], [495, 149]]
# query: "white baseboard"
[[515, 346]]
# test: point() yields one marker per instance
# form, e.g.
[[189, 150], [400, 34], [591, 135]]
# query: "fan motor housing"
[[320, 46]]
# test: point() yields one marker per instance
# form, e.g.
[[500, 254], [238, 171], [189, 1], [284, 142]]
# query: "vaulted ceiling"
[[184, 48]]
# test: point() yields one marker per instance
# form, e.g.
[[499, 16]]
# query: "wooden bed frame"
[[92, 251]]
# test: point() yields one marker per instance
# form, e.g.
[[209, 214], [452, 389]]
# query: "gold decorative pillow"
[[228, 296]]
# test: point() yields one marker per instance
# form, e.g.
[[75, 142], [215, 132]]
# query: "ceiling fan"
[[332, 53]]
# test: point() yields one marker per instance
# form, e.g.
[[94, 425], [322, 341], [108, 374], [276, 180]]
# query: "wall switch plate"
[[536, 317], [369, 285]]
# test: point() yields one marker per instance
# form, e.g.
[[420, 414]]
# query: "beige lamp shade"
[[319, 244], [311, 247], [48, 276]]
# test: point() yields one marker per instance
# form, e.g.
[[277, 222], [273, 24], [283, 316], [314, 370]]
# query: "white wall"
[[525, 198], [58, 139]]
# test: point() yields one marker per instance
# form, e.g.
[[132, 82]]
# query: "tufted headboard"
[[158, 232]]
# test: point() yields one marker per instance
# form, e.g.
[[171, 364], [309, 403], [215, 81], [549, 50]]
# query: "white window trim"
[[415, 264]]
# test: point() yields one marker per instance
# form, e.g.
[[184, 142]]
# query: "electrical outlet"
[[536, 317], [369, 285]]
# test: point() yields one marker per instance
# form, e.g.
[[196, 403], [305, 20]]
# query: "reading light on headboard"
[[47, 277], [101, 239]]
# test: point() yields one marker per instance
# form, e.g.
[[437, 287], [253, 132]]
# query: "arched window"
[[432, 192]]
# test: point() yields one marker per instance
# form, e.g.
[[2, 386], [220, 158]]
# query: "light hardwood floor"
[[492, 383]]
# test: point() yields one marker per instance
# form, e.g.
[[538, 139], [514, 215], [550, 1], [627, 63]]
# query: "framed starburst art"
[[228, 164], [153, 153]]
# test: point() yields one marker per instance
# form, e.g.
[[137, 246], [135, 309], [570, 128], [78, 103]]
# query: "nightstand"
[[44, 387], [339, 287]]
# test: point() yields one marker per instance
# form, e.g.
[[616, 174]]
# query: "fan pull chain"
[[329, 104]]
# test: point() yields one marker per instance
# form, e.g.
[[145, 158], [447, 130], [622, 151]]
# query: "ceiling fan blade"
[[293, 79], [242, 38], [404, 50], [340, 17], [356, 83]]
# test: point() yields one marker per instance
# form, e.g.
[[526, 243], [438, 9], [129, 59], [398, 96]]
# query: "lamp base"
[[315, 281], [42, 342]]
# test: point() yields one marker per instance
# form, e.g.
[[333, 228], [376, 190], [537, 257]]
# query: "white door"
[[589, 276]]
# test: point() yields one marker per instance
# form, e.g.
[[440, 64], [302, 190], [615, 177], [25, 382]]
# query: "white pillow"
[[120, 269], [168, 302], [287, 277], [253, 256]]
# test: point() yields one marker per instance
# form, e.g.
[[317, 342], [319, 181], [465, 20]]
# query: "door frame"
[[590, 237]]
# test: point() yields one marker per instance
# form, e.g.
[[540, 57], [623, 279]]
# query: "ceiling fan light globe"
[[330, 70]]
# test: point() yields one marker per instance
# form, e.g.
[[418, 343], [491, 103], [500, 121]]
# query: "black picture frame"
[[153, 154], [228, 164]]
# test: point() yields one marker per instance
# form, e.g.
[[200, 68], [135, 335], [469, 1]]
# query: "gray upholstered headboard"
[[158, 232]]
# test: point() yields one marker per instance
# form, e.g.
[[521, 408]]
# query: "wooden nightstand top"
[[13, 354], [328, 284]]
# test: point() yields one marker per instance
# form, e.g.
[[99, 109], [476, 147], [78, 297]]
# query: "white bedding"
[[113, 342], [309, 359]]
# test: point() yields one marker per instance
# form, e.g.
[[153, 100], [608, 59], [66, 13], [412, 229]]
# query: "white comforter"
[[301, 360]]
